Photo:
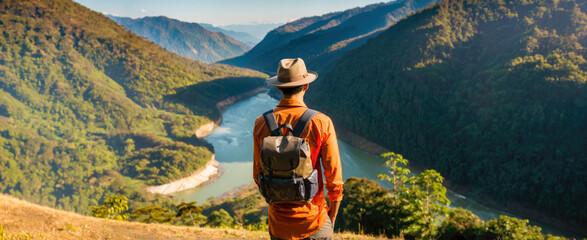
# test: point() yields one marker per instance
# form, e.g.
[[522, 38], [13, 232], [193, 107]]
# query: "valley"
[[491, 94]]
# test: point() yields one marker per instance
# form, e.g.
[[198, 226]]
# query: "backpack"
[[287, 175]]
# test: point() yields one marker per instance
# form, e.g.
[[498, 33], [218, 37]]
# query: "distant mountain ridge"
[[320, 40], [258, 30], [240, 36], [187, 39]]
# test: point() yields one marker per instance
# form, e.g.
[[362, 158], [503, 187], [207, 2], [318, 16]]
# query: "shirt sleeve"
[[257, 150], [331, 163]]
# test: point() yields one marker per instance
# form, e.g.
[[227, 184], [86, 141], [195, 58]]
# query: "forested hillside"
[[491, 93], [320, 40], [84, 102], [187, 39]]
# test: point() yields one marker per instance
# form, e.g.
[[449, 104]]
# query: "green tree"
[[509, 228], [220, 218], [461, 224], [430, 203], [399, 207], [417, 202], [129, 146], [365, 207], [153, 214], [188, 209], [413, 207], [113, 208]]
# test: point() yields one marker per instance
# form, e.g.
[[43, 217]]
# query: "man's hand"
[[333, 211]]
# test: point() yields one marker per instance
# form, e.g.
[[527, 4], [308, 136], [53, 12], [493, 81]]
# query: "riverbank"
[[207, 129], [360, 142], [228, 101], [555, 224], [203, 175], [210, 171], [512, 207]]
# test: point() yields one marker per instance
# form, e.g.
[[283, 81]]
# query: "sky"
[[224, 12]]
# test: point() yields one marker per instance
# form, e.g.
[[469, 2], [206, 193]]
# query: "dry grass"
[[24, 220]]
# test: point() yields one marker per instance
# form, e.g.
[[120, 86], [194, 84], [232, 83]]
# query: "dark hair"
[[291, 90]]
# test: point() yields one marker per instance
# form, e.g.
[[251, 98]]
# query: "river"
[[233, 146]]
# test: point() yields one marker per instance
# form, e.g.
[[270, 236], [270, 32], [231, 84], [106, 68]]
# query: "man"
[[314, 220]]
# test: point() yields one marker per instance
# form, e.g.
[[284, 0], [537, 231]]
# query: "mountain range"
[[187, 39], [493, 94], [320, 40], [258, 30], [240, 36]]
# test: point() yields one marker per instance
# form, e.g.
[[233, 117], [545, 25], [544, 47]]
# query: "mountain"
[[320, 40], [89, 109], [258, 30], [492, 94], [187, 39], [240, 36]]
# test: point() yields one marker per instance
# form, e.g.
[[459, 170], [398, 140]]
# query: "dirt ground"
[[23, 220]]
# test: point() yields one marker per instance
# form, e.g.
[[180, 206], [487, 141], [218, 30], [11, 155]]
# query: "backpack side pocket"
[[311, 185]]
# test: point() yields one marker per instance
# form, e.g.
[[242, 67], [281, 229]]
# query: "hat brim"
[[308, 79]]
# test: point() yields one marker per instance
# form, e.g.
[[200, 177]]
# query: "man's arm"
[[257, 149], [332, 169], [333, 211]]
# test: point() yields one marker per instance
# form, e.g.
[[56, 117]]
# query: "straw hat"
[[292, 72]]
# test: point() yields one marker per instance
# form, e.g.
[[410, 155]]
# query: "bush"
[[461, 224], [509, 228], [221, 219]]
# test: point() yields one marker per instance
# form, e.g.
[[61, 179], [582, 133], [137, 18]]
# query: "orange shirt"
[[295, 221]]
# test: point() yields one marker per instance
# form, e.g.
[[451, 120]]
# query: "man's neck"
[[297, 97]]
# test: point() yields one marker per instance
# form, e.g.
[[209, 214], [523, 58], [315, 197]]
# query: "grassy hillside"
[[23, 220], [88, 109], [18, 218], [491, 93], [187, 39], [320, 40]]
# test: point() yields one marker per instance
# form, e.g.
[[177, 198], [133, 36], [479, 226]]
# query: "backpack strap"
[[303, 122], [275, 129], [272, 123]]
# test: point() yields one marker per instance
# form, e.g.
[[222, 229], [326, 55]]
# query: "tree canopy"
[[89, 110], [492, 94]]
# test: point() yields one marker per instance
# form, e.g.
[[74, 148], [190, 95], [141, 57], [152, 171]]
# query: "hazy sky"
[[223, 12]]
